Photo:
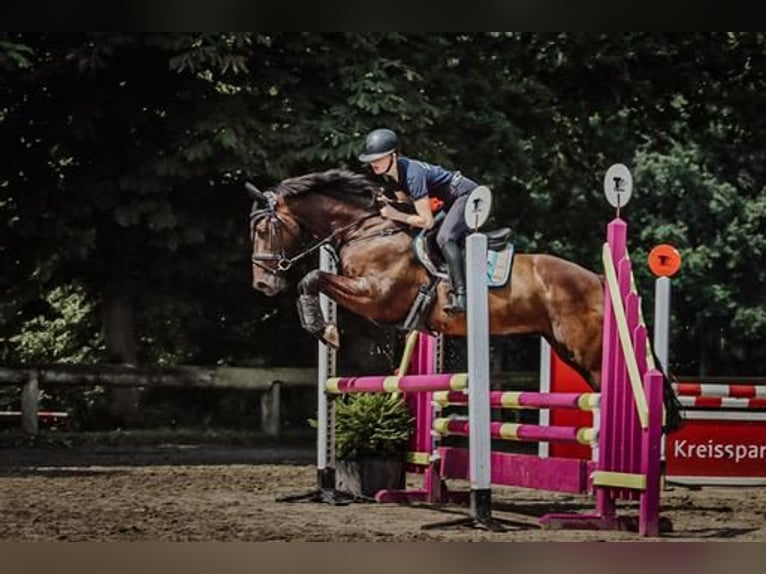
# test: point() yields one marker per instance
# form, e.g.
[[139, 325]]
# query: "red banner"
[[717, 448]]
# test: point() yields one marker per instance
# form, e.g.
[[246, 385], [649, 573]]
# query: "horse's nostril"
[[260, 285]]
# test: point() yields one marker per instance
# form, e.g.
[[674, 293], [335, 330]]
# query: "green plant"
[[372, 425]]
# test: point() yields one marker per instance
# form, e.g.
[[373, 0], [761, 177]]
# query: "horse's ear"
[[255, 193]]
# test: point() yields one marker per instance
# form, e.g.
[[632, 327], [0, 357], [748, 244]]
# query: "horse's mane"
[[342, 184]]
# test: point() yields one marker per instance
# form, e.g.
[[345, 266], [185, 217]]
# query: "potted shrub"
[[372, 436]]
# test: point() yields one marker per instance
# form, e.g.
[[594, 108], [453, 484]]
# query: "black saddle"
[[429, 254]]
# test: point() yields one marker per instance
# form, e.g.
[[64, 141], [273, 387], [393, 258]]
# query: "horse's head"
[[327, 206], [274, 233]]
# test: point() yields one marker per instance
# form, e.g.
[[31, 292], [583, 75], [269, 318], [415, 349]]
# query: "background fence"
[[267, 381]]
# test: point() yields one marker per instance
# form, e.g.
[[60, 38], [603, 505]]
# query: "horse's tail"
[[673, 418]]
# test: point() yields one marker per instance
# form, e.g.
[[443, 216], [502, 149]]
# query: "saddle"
[[500, 253]]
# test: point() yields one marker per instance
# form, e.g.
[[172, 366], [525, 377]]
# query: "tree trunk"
[[120, 339]]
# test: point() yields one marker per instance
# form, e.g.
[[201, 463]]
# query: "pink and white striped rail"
[[525, 400], [394, 384], [520, 432]]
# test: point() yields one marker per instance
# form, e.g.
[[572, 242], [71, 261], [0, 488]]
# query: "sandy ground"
[[196, 493]]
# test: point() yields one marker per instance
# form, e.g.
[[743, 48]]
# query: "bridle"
[[277, 225]]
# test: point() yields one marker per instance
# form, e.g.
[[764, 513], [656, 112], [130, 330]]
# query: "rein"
[[284, 262]]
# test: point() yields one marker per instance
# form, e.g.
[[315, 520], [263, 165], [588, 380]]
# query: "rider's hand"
[[388, 212], [383, 199]]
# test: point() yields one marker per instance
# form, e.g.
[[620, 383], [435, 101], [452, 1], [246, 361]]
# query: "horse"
[[379, 275]]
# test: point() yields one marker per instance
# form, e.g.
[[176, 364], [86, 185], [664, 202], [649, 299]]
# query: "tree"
[[125, 155]]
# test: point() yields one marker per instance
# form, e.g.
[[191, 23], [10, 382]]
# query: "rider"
[[419, 180]]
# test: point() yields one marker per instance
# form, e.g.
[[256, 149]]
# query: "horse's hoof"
[[331, 337]]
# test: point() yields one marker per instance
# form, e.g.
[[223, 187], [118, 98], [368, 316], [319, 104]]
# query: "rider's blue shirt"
[[419, 179]]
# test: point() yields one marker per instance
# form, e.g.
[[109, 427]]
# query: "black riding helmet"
[[380, 143]]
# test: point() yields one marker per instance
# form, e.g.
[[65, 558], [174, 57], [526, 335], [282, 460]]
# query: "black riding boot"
[[456, 266]]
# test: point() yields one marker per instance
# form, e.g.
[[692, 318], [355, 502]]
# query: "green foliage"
[[66, 332], [124, 156], [371, 424], [13, 55], [719, 232]]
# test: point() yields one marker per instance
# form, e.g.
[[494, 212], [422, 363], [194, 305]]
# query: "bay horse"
[[379, 275]]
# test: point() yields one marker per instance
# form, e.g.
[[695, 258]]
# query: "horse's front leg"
[[310, 312], [352, 294]]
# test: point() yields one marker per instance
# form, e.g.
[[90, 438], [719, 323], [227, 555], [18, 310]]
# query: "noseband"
[[276, 226]]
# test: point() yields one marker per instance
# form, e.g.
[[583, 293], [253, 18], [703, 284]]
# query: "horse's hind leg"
[[577, 341], [587, 370]]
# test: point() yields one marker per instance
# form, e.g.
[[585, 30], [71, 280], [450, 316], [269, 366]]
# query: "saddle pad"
[[499, 265]]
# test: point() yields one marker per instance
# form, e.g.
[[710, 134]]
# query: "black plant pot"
[[367, 476]]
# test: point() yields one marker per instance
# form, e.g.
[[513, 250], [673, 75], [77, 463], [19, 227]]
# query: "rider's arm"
[[423, 218], [417, 185]]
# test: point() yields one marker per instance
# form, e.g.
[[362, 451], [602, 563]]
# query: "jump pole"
[[326, 367], [479, 440], [325, 490], [664, 262], [478, 373]]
